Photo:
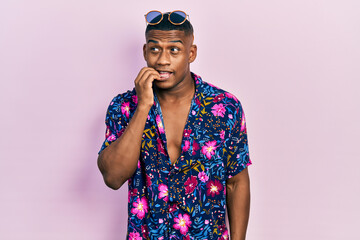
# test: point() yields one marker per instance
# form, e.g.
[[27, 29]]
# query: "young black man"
[[180, 142]]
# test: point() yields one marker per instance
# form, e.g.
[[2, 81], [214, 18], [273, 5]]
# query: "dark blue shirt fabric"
[[187, 199]]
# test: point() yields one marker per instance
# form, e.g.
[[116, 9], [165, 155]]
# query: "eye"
[[175, 50], [154, 49]]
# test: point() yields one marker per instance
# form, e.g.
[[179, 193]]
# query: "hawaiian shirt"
[[187, 199]]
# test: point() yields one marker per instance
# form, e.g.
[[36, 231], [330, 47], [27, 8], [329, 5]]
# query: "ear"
[[144, 51], [193, 53]]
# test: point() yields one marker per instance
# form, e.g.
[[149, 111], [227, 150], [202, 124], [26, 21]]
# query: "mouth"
[[164, 75]]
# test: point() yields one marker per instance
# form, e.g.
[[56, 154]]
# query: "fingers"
[[141, 73], [143, 86], [146, 76]]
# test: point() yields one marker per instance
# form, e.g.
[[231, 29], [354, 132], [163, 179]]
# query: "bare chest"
[[175, 118]]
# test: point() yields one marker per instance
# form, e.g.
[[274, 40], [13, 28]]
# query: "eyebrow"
[[174, 41]]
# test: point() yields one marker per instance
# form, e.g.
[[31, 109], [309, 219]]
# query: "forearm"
[[238, 207], [119, 160]]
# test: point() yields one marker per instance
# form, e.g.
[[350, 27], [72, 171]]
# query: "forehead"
[[167, 36]]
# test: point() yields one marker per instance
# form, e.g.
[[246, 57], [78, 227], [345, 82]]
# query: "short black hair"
[[166, 25]]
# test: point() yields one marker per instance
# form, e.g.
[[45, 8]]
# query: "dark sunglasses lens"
[[153, 17], [177, 17]]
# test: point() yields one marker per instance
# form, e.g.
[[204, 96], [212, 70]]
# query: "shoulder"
[[221, 97], [123, 97], [125, 100]]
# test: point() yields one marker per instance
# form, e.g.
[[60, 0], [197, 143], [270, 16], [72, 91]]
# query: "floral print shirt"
[[187, 199]]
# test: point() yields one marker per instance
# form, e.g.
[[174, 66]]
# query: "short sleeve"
[[237, 148], [115, 120]]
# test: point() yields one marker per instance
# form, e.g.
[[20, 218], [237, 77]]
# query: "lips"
[[164, 75]]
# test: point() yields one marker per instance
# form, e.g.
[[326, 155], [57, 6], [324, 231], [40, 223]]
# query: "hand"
[[143, 86]]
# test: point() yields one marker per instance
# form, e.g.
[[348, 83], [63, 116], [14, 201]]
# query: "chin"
[[162, 85]]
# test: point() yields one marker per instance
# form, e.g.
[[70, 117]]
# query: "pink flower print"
[[160, 146], [249, 163], [187, 133], [222, 134], [186, 146], [209, 149], [125, 108], [121, 132], [172, 208], [132, 193], [160, 124], [229, 95], [190, 184], [203, 177], [230, 116], [195, 147], [225, 235], [182, 223], [134, 236], [243, 123], [218, 110], [222, 228], [111, 137], [140, 207], [218, 98], [213, 188], [145, 231], [135, 99], [197, 102], [148, 181], [161, 238], [108, 132], [163, 189]]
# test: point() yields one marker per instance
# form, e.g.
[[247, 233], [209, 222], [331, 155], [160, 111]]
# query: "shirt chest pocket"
[[205, 147]]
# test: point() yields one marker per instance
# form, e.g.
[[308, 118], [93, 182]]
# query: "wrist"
[[142, 107]]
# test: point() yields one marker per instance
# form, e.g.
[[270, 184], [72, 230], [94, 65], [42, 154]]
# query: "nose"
[[164, 58]]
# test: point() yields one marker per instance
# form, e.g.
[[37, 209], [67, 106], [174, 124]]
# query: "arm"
[[118, 161], [238, 204]]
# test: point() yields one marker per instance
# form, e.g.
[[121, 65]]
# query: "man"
[[180, 142]]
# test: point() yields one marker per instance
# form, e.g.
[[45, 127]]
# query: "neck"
[[183, 91]]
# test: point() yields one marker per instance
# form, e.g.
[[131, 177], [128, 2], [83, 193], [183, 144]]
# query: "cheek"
[[150, 59], [181, 60]]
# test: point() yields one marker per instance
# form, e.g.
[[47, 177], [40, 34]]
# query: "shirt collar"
[[198, 88], [198, 83]]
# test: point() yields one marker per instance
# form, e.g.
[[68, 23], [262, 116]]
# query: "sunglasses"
[[175, 17]]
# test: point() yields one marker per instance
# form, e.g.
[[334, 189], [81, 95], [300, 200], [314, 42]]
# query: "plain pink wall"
[[293, 64]]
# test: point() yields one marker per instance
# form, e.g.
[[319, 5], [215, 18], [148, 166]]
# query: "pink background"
[[293, 64]]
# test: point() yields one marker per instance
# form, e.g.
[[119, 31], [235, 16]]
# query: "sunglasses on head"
[[175, 17]]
